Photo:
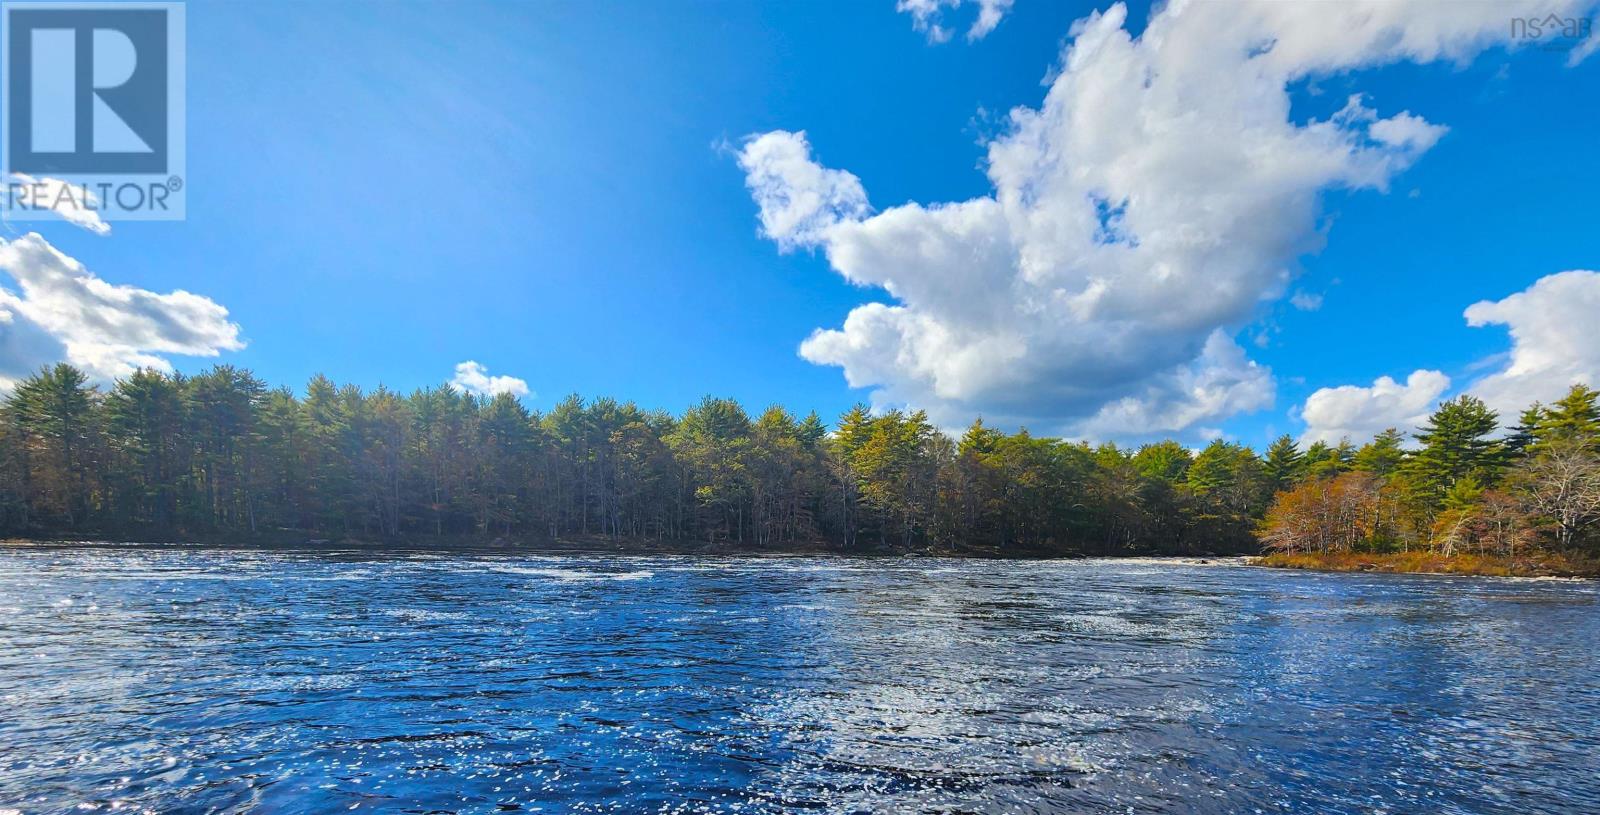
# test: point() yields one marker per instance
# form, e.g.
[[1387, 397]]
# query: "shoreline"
[[1415, 563], [593, 545], [1429, 563], [463, 546]]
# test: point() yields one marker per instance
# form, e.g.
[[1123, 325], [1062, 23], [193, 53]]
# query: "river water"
[[176, 681]]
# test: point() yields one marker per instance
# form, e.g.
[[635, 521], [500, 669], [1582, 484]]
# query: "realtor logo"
[[93, 96]]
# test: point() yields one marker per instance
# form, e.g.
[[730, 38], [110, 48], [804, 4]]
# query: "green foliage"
[[218, 454], [1463, 493], [53, 427], [1284, 465], [1230, 476], [1325, 461], [1456, 443], [1574, 417], [1524, 433], [145, 417], [1166, 460], [1382, 456]]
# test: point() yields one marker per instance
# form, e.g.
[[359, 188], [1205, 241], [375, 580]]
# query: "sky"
[[1125, 222]]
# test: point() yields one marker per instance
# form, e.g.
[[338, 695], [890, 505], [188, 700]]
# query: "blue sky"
[[555, 190]]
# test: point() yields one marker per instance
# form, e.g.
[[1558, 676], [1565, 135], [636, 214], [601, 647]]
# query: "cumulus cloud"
[[62, 311], [1555, 344], [1358, 413], [1221, 382], [25, 346], [1159, 194], [799, 199], [1555, 341], [74, 203], [472, 377], [1407, 131], [927, 16]]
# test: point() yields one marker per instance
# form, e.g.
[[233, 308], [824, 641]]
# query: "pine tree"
[[1230, 476], [980, 439], [1524, 433], [812, 431], [1456, 443], [145, 423], [855, 426], [1382, 456], [1212, 469], [216, 453], [52, 415], [1285, 465], [1166, 460], [1574, 416]]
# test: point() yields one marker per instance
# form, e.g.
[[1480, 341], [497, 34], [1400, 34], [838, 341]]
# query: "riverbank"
[[464, 545], [1534, 565], [284, 541]]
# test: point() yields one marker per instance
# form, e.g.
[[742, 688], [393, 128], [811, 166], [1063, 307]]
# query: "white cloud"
[[471, 377], [1157, 197], [1407, 131], [1555, 344], [75, 203], [1555, 341], [1305, 301], [799, 199], [990, 13], [24, 345], [64, 312], [1585, 49], [1221, 382], [927, 17], [1357, 413]]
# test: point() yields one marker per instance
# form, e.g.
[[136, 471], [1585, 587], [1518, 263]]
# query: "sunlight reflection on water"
[[184, 681]]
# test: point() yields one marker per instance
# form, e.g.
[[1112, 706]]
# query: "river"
[[183, 681]]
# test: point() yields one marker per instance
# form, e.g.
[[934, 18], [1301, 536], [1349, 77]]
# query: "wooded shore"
[[220, 458], [474, 545], [1537, 565]]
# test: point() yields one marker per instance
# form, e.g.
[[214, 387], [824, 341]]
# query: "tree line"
[[220, 454], [1465, 488], [160, 456]]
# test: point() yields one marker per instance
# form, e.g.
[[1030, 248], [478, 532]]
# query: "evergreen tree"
[[1285, 465], [1231, 477], [713, 439], [1574, 416], [1383, 456], [812, 431], [145, 423], [1213, 468], [163, 455], [222, 404], [54, 429], [1456, 443], [1525, 432], [1166, 460], [1326, 461]]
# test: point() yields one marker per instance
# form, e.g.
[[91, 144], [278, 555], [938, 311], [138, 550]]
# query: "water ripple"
[[189, 681]]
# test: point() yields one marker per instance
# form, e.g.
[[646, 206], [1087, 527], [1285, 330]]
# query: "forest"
[[221, 456], [1464, 487]]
